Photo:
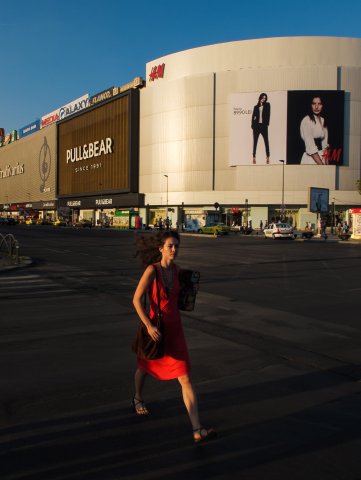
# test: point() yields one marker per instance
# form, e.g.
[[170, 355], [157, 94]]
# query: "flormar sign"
[[10, 171]]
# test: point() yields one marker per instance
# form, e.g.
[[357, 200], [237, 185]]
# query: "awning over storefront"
[[103, 201]]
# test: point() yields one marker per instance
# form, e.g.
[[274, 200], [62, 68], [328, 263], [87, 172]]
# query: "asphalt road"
[[274, 341]]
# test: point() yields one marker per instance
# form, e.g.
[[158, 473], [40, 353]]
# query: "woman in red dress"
[[159, 253]]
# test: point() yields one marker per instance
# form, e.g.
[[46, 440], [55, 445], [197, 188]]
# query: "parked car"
[[279, 230], [215, 229]]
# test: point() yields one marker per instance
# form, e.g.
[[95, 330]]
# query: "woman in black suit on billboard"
[[260, 121]]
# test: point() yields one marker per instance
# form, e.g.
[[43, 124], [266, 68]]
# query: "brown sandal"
[[139, 407], [205, 434]]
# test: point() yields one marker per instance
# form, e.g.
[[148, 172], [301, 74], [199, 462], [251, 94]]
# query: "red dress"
[[175, 362]]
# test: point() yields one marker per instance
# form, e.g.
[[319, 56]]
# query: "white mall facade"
[[186, 122]]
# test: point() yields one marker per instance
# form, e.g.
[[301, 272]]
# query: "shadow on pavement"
[[266, 430]]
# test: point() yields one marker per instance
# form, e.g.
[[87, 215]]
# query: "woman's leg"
[[264, 133], [200, 434], [190, 400], [266, 141], [255, 141], [138, 404]]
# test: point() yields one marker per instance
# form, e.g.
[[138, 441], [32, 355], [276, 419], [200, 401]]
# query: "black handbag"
[[143, 345], [189, 284]]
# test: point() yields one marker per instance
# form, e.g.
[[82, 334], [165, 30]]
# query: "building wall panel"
[[37, 153]]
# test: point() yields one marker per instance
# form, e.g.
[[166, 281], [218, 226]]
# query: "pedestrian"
[[158, 253], [323, 229]]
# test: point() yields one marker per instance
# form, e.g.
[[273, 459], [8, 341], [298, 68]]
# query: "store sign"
[[90, 150], [74, 107], [157, 72], [137, 82], [102, 96], [113, 91], [30, 128], [104, 201], [49, 118], [10, 171], [48, 204], [73, 203], [69, 109]]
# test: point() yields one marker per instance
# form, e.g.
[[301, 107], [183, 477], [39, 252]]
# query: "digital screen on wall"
[[94, 150], [318, 200], [300, 127]]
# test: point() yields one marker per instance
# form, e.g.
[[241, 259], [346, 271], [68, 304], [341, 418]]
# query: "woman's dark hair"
[[262, 95], [310, 111], [147, 246]]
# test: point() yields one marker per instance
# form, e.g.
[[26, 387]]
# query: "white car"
[[279, 230]]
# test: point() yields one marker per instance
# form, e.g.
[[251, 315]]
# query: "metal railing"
[[9, 247]]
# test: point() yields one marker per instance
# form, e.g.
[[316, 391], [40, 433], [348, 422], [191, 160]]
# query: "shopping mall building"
[[196, 142]]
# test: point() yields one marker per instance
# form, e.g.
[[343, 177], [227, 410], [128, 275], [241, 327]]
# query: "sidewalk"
[[7, 264]]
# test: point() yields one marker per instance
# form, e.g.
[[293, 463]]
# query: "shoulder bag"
[[143, 345], [189, 284]]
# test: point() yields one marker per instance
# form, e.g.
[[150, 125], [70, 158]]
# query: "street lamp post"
[[246, 208], [283, 190], [166, 176]]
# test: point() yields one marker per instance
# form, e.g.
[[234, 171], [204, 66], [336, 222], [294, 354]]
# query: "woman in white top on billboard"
[[314, 133]]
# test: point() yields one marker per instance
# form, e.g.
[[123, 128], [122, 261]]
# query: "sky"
[[54, 52]]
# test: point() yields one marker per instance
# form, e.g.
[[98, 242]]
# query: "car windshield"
[[282, 225]]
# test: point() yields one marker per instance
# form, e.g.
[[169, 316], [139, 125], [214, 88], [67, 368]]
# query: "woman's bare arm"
[[141, 290]]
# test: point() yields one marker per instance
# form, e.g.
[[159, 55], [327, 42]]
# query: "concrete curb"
[[23, 263]]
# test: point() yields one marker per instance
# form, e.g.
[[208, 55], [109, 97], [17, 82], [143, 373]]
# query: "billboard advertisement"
[[315, 126], [258, 125], [300, 127], [95, 149], [318, 200]]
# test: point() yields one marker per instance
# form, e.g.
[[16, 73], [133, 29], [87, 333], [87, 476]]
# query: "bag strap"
[[158, 297]]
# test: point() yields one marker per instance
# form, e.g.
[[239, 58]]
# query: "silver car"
[[279, 230]]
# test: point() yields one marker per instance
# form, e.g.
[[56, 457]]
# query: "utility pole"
[[283, 190]]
